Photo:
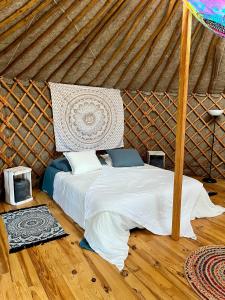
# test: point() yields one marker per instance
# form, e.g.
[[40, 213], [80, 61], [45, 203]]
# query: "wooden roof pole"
[[181, 119]]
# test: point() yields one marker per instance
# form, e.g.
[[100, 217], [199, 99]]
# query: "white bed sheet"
[[69, 193], [107, 231]]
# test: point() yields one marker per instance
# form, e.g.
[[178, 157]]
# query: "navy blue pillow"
[[125, 158], [61, 164]]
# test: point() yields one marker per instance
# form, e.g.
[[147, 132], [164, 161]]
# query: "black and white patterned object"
[[31, 226]]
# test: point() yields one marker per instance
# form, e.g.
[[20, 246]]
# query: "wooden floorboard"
[[62, 270]]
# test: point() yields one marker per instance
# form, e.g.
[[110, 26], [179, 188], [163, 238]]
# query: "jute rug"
[[205, 272], [31, 226]]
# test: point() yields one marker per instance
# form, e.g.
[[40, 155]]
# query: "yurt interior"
[[112, 149]]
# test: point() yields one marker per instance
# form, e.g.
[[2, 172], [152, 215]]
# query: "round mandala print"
[[30, 222], [89, 119]]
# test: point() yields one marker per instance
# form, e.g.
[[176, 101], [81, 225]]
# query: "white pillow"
[[82, 162]]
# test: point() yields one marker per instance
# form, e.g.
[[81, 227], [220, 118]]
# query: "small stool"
[[18, 185]]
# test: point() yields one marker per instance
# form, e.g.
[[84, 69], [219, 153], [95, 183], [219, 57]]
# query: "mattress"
[[107, 203]]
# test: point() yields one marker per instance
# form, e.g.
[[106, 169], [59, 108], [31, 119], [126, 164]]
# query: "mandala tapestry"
[[86, 117]]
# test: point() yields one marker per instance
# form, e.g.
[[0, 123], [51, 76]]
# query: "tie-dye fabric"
[[210, 12]]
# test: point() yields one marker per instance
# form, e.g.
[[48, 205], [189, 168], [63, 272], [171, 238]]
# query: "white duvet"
[[110, 202]]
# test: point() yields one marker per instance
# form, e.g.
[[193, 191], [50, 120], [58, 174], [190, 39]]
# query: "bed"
[[108, 203]]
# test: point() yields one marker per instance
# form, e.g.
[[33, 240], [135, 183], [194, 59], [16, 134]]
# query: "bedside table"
[[156, 158], [18, 185]]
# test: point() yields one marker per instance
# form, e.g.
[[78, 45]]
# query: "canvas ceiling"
[[125, 44]]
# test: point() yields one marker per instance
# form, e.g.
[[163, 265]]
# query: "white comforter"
[[119, 199]]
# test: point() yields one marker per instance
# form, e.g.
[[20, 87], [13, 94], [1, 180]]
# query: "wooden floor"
[[61, 270]]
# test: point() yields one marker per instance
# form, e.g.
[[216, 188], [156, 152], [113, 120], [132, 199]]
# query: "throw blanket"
[[142, 197], [86, 117]]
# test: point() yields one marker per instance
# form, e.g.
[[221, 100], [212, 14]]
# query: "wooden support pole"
[[181, 119]]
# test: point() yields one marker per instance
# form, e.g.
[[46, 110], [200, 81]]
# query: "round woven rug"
[[205, 272]]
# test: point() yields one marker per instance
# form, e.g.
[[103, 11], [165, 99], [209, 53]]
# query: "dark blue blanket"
[[48, 180], [85, 245]]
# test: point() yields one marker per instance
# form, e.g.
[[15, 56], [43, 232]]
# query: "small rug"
[[31, 226], [205, 272]]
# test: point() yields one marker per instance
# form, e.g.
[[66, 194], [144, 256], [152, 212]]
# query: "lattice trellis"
[[151, 124], [27, 137]]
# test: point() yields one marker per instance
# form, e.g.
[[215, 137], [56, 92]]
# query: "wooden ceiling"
[[126, 44]]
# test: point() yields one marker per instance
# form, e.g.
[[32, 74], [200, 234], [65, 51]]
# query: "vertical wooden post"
[[181, 119]]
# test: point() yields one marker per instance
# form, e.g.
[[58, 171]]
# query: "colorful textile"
[[209, 12], [87, 117], [204, 270]]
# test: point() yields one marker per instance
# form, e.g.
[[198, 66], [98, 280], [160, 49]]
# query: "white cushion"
[[83, 162]]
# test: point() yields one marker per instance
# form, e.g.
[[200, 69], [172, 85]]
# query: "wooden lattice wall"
[[27, 137]]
